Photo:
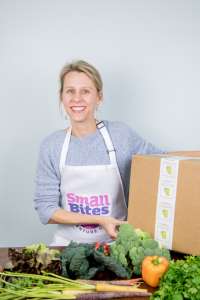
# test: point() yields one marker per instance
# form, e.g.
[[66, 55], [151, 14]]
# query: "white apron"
[[90, 190]]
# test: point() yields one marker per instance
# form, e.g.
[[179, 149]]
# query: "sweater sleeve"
[[47, 183], [138, 145], [130, 142], [141, 146]]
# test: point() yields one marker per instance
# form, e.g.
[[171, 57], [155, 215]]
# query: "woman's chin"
[[80, 119]]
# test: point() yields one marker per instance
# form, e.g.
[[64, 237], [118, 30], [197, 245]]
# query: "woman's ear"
[[60, 97], [100, 96], [99, 103]]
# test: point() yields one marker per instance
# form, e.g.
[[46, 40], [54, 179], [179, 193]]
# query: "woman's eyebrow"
[[84, 87]]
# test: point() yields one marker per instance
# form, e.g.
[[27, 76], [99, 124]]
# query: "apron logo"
[[89, 228], [88, 205]]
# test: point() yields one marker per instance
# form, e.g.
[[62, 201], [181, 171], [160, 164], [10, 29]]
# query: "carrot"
[[111, 295], [134, 281], [103, 287]]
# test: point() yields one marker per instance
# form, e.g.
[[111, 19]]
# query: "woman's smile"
[[78, 108]]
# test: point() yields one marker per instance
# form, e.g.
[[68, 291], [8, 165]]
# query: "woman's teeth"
[[78, 108]]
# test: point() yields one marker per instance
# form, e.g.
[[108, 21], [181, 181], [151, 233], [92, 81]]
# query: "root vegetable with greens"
[[33, 286]]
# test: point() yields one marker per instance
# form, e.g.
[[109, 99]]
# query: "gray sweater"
[[89, 150]]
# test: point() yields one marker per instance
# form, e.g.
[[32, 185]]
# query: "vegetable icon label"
[[165, 213], [169, 169], [166, 200], [167, 191], [163, 234]]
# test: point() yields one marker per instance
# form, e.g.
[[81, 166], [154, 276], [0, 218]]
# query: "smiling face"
[[80, 97]]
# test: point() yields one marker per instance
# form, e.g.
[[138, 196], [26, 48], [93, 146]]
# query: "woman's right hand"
[[110, 224]]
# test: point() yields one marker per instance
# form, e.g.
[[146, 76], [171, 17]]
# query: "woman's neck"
[[83, 129]]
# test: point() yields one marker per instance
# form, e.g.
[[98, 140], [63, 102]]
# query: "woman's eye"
[[85, 91], [69, 91]]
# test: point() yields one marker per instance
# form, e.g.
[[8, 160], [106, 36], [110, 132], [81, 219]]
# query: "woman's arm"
[[109, 224], [47, 181]]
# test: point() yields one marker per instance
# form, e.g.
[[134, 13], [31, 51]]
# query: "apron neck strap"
[[65, 149], [108, 142]]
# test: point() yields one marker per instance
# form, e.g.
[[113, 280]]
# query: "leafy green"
[[111, 264], [84, 262], [34, 259], [182, 281], [132, 246]]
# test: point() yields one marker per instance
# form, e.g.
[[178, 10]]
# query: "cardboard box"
[[143, 211]]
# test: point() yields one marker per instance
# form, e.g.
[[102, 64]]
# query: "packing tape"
[[166, 201]]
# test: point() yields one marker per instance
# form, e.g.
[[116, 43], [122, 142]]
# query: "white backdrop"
[[148, 55]]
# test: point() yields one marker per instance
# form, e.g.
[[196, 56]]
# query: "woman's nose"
[[77, 96]]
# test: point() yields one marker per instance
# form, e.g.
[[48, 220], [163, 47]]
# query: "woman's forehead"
[[77, 78]]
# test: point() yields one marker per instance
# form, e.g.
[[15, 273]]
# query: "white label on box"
[[166, 201], [167, 190], [168, 168], [164, 235], [165, 213]]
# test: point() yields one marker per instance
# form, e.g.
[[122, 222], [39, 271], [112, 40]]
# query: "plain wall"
[[148, 55]]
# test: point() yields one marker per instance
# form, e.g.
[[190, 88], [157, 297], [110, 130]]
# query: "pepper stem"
[[156, 261]]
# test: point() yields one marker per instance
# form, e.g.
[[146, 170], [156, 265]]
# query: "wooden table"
[[3, 256], [4, 259]]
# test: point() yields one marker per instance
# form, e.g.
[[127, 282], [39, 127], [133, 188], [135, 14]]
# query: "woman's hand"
[[109, 224]]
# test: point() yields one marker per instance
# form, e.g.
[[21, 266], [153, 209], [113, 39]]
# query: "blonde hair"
[[84, 67]]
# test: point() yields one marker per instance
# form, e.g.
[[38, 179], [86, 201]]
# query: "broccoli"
[[126, 232], [119, 253], [142, 234], [136, 255], [163, 252], [137, 269], [122, 259], [132, 245], [149, 252], [126, 236], [150, 244]]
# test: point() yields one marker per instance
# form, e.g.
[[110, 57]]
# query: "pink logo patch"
[[89, 205]]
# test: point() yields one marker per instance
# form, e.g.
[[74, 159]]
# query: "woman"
[[83, 171]]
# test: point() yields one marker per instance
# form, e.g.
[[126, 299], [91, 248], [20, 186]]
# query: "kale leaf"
[[84, 261]]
